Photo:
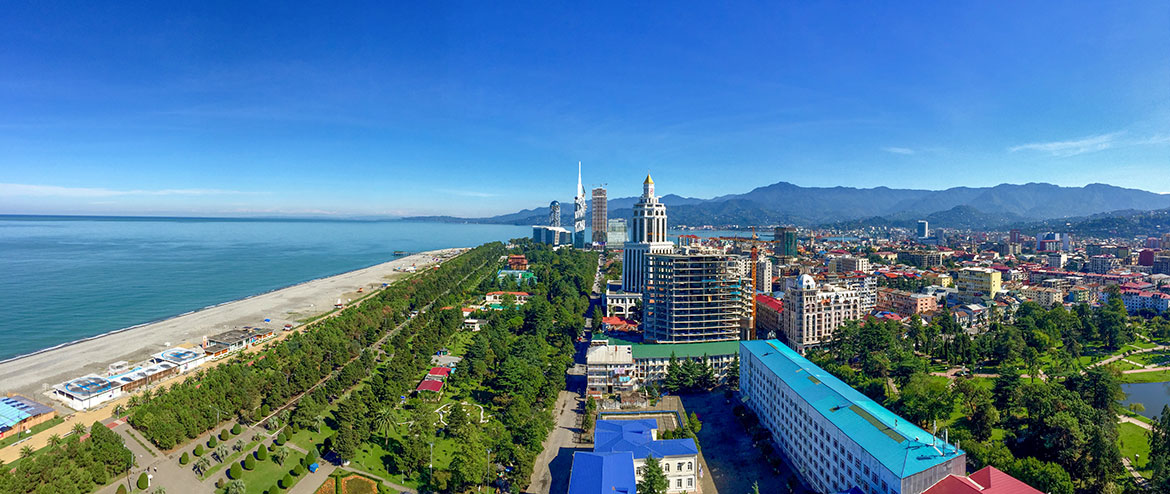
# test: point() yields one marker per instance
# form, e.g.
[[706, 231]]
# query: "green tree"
[[143, 481], [235, 471], [733, 373], [383, 422], [457, 420], [236, 486], [262, 453], [199, 449], [121, 489], [654, 481], [279, 454], [184, 459], [925, 399], [1160, 452], [983, 420], [249, 463]]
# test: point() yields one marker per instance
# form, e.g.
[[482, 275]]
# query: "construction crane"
[[755, 243]]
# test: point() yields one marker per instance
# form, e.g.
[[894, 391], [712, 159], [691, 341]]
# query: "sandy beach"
[[33, 375]]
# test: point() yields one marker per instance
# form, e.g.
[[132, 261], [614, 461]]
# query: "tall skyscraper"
[[647, 236], [1014, 236], [786, 235], [616, 236], [554, 214], [600, 210], [692, 298], [923, 229], [579, 213]]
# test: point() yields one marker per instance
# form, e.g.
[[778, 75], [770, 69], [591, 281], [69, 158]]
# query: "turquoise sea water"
[[68, 278]]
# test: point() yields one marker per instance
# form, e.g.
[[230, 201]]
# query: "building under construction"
[[694, 298]]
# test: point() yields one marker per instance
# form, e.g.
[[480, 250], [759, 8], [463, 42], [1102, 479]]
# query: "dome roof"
[[806, 282]]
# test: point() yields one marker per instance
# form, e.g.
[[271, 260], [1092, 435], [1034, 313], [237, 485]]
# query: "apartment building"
[[812, 313]]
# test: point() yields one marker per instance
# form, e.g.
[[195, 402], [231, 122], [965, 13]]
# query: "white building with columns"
[[647, 236]]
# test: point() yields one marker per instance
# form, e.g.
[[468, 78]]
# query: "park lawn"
[[1123, 366], [1144, 345], [1152, 358], [369, 459], [267, 472], [1146, 377], [1135, 445], [459, 342]]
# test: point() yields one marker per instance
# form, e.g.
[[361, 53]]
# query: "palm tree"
[[119, 410], [55, 440], [202, 465], [279, 454], [79, 430], [318, 423], [134, 401], [160, 490], [238, 445], [384, 421], [26, 452], [221, 452], [236, 487]]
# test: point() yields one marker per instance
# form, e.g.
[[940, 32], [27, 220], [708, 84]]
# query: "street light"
[[431, 464]]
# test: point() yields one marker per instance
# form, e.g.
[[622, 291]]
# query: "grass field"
[[1123, 366], [1152, 358], [1146, 377], [1135, 446], [267, 472]]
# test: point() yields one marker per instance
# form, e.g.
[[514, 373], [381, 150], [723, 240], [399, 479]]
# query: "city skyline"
[[228, 110]]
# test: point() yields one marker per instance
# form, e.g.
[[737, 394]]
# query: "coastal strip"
[[34, 374]]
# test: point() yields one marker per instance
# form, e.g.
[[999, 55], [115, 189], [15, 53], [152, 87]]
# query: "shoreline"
[[33, 374]]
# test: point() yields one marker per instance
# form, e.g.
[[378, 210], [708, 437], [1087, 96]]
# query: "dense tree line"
[[251, 385], [1061, 432], [70, 465]]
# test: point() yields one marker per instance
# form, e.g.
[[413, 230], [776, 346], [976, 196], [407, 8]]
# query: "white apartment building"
[[812, 313], [609, 369]]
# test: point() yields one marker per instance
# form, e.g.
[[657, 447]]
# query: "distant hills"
[[844, 207]]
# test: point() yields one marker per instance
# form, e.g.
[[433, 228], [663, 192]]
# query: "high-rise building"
[[579, 213], [600, 210], [1014, 236], [813, 313], [554, 214], [1161, 265], [551, 235], [975, 283], [763, 274], [647, 236], [923, 229], [616, 235], [690, 298], [786, 238]]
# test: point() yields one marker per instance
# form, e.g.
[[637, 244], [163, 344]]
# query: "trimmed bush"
[[121, 488], [262, 453], [312, 455], [236, 472], [287, 481], [279, 441], [219, 484], [249, 463], [236, 430], [199, 450], [212, 442], [265, 410], [224, 435], [299, 470], [185, 459], [143, 482]]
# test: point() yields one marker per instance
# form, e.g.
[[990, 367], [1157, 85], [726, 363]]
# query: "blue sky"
[[469, 108]]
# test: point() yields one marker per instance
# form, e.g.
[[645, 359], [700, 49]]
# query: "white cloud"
[[898, 150], [30, 190], [1074, 147]]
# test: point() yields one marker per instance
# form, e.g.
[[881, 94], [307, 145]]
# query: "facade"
[[497, 298], [866, 288], [609, 369], [1161, 265], [690, 298], [1045, 296], [86, 392], [846, 264], [1136, 300], [647, 236], [763, 274], [679, 457], [599, 223], [652, 360], [976, 283], [1103, 263], [923, 230], [185, 359], [579, 213], [554, 214], [786, 238], [551, 235], [768, 310], [517, 262], [813, 313], [621, 304], [616, 235], [905, 303], [836, 437], [922, 258]]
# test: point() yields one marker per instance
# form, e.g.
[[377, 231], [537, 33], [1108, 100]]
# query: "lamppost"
[[489, 468], [431, 464]]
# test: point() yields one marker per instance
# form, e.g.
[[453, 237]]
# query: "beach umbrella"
[[268, 320]]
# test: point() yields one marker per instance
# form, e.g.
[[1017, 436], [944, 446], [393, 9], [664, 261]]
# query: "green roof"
[[663, 350]]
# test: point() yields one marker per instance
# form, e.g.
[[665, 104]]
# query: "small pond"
[[1153, 396]]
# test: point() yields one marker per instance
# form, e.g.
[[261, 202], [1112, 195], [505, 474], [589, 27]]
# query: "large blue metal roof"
[[636, 436], [897, 443], [602, 473]]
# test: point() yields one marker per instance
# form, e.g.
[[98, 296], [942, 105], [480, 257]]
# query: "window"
[[679, 466], [678, 483], [665, 466], [690, 481]]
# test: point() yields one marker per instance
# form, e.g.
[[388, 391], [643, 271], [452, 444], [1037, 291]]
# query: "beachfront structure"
[[836, 437], [579, 213], [19, 414], [813, 313], [86, 392], [602, 473], [647, 236], [184, 359], [609, 369], [600, 216], [691, 298], [679, 458], [142, 376]]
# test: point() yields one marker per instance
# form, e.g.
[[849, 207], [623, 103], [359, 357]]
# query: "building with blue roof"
[[18, 414], [603, 473], [679, 457], [836, 437]]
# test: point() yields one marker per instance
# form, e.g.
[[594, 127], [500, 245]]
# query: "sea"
[[63, 279]]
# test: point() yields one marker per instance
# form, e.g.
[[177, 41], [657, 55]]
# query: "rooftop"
[[989, 480], [14, 409], [602, 473], [680, 350], [637, 437], [609, 354], [898, 444]]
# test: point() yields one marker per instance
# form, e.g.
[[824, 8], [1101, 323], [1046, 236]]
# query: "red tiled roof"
[[428, 385], [989, 480], [439, 371], [772, 302], [518, 294]]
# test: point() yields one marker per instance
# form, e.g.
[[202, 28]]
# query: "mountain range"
[[957, 207]]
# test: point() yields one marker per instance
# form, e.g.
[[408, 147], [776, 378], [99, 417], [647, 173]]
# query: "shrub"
[[223, 435], [212, 442], [249, 463], [219, 484], [185, 459], [236, 472], [199, 450], [311, 457], [121, 488], [265, 410], [262, 453], [279, 441], [143, 482], [286, 482], [299, 470], [236, 430]]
